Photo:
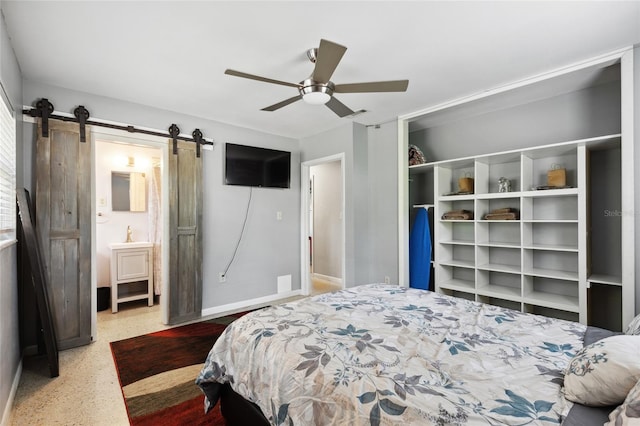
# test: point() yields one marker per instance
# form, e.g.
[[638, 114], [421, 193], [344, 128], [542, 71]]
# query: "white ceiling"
[[172, 54]]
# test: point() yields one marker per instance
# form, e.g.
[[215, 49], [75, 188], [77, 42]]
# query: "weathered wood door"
[[185, 245], [63, 225]]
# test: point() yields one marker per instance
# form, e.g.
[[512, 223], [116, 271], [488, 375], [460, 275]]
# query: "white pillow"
[[634, 326], [629, 412], [603, 372]]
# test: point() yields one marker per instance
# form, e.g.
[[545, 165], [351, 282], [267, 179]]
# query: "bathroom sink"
[[136, 244]]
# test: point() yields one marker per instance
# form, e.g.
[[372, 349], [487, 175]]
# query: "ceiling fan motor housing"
[[314, 92]]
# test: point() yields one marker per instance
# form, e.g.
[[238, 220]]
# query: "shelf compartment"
[[455, 278], [554, 236], [536, 164], [498, 233], [551, 293], [499, 259], [499, 284], [458, 285], [551, 264], [451, 204], [457, 255], [614, 280], [604, 215], [458, 263], [503, 303], [499, 267], [460, 294], [449, 174], [484, 206], [551, 312], [134, 290], [605, 306], [421, 187], [490, 169], [550, 208], [459, 231], [551, 273]]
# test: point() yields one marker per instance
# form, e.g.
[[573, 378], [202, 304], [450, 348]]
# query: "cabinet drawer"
[[132, 265]]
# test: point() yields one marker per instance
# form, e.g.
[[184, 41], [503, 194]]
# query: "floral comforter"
[[379, 354]]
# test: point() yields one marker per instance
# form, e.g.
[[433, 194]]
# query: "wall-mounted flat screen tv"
[[254, 166]]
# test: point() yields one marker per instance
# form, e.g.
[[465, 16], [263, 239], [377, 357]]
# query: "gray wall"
[[11, 79], [327, 223], [636, 162], [576, 115], [383, 207], [371, 193], [269, 248]]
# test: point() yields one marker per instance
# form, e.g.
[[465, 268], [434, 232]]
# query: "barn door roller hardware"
[[82, 115], [44, 109], [174, 131], [197, 137]]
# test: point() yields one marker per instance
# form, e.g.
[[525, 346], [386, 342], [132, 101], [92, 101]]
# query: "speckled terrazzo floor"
[[319, 286], [87, 391]]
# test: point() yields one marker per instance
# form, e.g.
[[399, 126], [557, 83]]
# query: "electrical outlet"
[[387, 280], [278, 215], [222, 277]]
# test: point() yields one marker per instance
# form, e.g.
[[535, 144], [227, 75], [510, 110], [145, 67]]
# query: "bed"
[[380, 354]]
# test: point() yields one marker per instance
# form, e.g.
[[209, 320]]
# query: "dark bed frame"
[[237, 411]]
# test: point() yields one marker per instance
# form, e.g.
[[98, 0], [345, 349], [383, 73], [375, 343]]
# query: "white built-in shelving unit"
[[570, 254], [536, 263]]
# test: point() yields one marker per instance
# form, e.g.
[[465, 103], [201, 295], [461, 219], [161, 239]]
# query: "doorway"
[[121, 160], [323, 268]]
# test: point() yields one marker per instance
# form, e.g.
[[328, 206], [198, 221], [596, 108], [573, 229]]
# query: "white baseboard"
[[6, 416], [329, 278], [259, 302]]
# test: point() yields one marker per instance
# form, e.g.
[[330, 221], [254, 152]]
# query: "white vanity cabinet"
[[131, 263]]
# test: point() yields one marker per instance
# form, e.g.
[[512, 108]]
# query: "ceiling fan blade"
[[329, 55], [257, 77], [282, 104], [338, 107], [374, 86]]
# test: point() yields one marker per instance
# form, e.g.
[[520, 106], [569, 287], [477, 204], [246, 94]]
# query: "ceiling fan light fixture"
[[315, 93], [316, 98]]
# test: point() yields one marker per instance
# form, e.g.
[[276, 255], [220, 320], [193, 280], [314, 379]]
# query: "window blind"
[[7, 172]]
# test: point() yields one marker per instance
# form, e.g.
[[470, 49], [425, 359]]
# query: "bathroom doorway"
[[129, 205]]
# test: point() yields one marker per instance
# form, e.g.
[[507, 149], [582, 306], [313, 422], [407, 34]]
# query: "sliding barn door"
[[185, 245], [63, 225]]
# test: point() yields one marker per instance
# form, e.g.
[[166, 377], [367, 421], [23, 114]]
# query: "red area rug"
[[157, 374]]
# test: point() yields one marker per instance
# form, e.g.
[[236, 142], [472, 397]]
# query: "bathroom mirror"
[[128, 192]]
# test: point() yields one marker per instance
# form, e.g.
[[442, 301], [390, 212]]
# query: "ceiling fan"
[[318, 89]]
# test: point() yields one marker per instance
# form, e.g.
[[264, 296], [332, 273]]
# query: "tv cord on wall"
[[244, 224]]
